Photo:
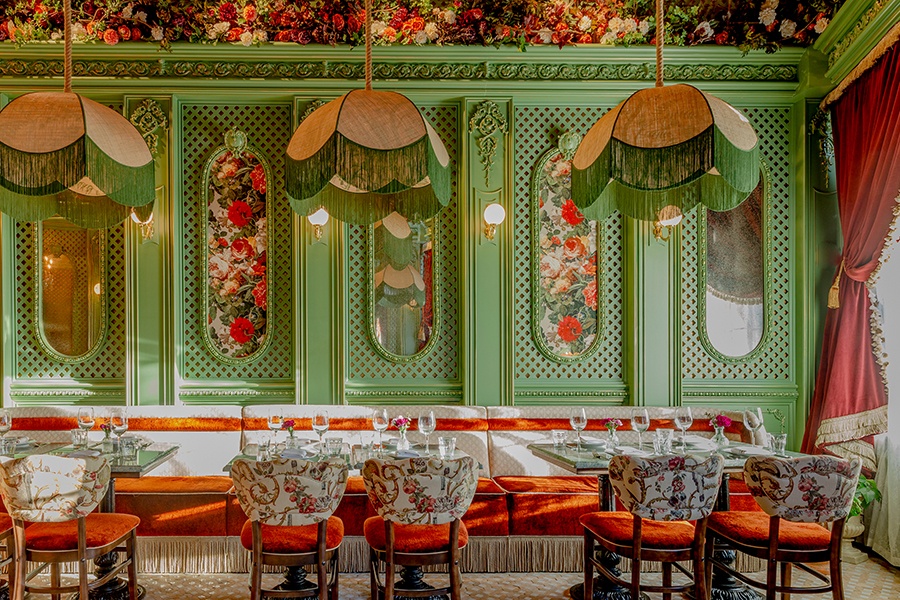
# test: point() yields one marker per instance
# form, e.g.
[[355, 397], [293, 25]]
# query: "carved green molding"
[[584, 394], [745, 394], [487, 120], [249, 393], [820, 126], [403, 394], [850, 38], [148, 117], [67, 392]]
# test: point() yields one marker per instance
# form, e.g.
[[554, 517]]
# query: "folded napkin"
[[750, 450], [588, 442], [84, 454], [632, 451], [698, 440], [294, 453], [407, 454]]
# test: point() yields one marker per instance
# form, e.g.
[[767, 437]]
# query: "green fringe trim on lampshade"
[[41, 174], [397, 252], [388, 174], [128, 186], [638, 182], [90, 212], [390, 297], [27, 209]]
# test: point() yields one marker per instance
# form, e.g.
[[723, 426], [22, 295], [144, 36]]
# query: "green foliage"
[[866, 493]]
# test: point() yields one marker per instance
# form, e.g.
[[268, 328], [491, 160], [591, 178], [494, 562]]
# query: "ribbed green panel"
[[31, 361], [441, 364], [268, 128], [774, 362], [537, 129]]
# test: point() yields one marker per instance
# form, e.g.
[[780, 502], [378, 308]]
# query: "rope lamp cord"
[[660, 34], [67, 31], [368, 45]]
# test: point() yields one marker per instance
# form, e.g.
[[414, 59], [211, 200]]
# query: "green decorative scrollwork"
[[845, 42], [702, 276], [487, 120], [821, 127], [148, 117], [311, 108], [96, 239]]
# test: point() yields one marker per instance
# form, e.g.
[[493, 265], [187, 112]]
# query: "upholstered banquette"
[[524, 516]]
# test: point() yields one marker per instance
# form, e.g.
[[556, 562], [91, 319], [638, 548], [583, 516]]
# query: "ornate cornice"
[[402, 394], [848, 40], [584, 394]]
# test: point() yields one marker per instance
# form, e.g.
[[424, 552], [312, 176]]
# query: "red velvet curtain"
[[849, 404]]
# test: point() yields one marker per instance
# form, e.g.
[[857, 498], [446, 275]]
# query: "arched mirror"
[[236, 213], [70, 294], [403, 307], [733, 276], [566, 287]]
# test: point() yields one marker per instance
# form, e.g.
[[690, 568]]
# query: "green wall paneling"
[[435, 377], [539, 379], [203, 378]]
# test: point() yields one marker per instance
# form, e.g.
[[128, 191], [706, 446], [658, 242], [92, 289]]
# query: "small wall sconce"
[[318, 220], [145, 226], [494, 214], [667, 219]]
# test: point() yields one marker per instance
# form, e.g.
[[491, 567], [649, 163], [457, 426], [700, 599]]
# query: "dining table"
[[146, 458], [594, 460]]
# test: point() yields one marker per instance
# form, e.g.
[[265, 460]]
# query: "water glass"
[[5, 421], [779, 443], [263, 450], [333, 446], [79, 438], [446, 446], [662, 441], [128, 446], [8, 446], [362, 454], [559, 438]]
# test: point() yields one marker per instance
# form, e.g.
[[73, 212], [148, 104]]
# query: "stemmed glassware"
[[118, 423], [683, 420], [5, 422], [753, 419], [427, 424], [86, 418], [320, 426], [380, 423], [275, 421], [640, 422], [578, 420]]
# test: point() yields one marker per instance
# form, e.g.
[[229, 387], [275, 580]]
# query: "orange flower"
[[260, 294], [574, 247], [568, 329], [111, 37], [571, 214], [590, 295]]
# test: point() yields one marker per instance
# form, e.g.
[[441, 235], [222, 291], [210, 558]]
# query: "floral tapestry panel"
[[567, 296], [237, 294]]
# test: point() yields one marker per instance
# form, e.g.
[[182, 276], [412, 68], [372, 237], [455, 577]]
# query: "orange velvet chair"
[[58, 495], [290, 504], [662, 494], [798, 496], [420, 503]]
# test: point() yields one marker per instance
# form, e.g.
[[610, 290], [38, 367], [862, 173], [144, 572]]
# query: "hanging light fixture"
[[367, 154], [665, 148], [62, 153]]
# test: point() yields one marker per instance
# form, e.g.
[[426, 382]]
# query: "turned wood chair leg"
[[335, 587], [588, 566], [54, 579], [373, 575], [20, 562], [667, 579], [786, 579], [771, 578], [130, 551], [837, 578]]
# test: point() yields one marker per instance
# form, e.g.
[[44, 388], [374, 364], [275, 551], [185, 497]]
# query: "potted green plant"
[[866, 493]]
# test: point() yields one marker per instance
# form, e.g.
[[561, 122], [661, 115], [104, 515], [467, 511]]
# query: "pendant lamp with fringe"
[[670, 148], [367, 154], [62, 153]]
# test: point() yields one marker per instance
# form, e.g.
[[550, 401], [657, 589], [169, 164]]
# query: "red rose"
[[239, 213], [571, 213], [242, 249], [242, 330], [585, 38], [227, 12], [590, 295], [574, 247], [722, 38], [555, 241], [260, 294], [338, 21], [124, 32], [136, 34], [111, 37], [353, 24], [234, 34], [223, 243], [568, 329], [249, 13], [258, 177]]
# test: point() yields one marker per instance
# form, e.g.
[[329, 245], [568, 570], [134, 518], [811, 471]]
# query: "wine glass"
[[683, 420], [118, 423], [275, 421], [86, 418], [753, 419], [427, 424], [320, 426], [640, 422], [380, 423], [5, 422], [578, 420]]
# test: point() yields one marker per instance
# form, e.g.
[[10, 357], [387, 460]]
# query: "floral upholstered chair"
[[290, 504], [58, 495], [798, 497], [420, 503], [662, 494]]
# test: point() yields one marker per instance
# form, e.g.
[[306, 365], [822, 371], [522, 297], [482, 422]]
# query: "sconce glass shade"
[[61, 153], [665, 146], [320, 217], [494, 214], [670, 216], [365, 155]]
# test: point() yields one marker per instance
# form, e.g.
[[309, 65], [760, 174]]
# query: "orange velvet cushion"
[[618, 527], [564, 484], [540, 506], [102, 529], [414, 538], [286, 539], [5, 524], [177, 506], [752, 528]]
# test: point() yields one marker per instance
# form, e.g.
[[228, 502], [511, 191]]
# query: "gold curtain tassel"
[[834, 293]]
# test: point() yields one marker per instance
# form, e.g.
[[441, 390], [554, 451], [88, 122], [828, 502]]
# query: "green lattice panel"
[[772, 126], [268, 127], [537, 130], [442, 362], [31, 361]]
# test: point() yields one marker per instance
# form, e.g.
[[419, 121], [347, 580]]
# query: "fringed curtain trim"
[[880, 49], [876, 323]]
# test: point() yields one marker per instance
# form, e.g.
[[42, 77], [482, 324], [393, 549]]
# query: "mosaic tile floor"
[[873, 579]]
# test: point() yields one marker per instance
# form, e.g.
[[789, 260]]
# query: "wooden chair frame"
[[82, 555], [391, 558], [325, 588], [786, 559], [7, 566], [637, 553]]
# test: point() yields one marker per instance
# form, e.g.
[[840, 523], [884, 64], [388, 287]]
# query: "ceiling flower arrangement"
[[747, 24]]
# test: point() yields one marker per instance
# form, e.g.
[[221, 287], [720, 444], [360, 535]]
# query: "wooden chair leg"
[[389, 579], [771, 578], [667, 579], [837, 578], [321, 563], [373, 575], [455, 583], [54, 579], [83, 589], [20, 562], [785, 579], [335, 587], [588, 565], [131, 554]]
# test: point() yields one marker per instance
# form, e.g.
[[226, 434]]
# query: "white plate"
[[749, 451], [295, 453]]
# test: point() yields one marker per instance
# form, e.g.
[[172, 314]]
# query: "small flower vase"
[[612, 439], [719, 438], [403, 442], [108, 446], [291, 443]]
